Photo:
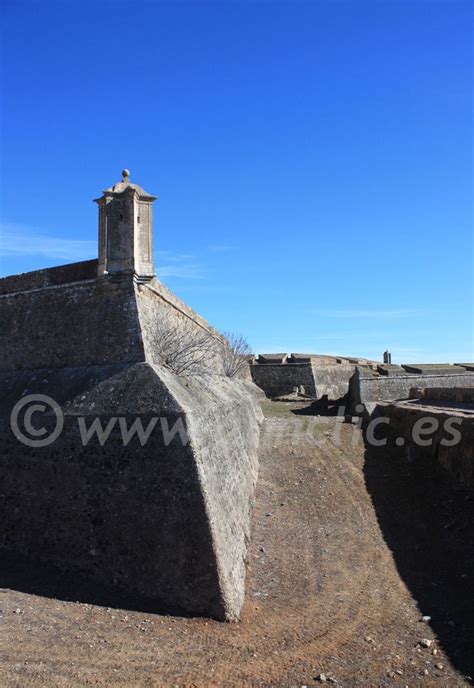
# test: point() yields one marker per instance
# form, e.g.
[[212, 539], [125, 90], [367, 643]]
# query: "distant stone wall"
[[319, 378], [281, 379], [368, 390], [332, 380]]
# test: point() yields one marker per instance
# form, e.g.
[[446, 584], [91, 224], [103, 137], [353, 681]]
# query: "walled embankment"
[[367, 387], [168, 520], [320, 376], [439, 428]]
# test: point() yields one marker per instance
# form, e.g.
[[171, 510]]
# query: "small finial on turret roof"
[[125, 175]]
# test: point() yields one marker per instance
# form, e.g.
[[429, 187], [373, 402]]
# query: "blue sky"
[[313, 160]]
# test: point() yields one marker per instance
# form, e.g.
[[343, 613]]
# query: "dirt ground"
[[349, 551]]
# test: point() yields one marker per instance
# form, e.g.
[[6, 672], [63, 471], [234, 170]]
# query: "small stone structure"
[[126, 230], [168, 518]]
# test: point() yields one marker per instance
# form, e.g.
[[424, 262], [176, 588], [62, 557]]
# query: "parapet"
[[456, 395], [272, 358], [431, 369], [50, 277], [390, 370]]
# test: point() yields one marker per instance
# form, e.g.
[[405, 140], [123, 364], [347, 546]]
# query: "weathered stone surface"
[[299, 358], [277, 380], [455, 457], [168, 522], [126, 230], [390, 370], [272, 358], [321, 376], [332, 380], [457, 395], [83, 323], [76, 272], [368, 387], [430, 368], [155, 295]]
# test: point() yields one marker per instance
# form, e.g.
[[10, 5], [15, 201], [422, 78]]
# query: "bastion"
[[167, 516], [355, 383], [320, 376]]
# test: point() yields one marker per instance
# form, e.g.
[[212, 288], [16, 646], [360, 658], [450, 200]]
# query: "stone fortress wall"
[[39, 305], [450, 410], [166, 520], [349, 380], [278, 379], [81, 321], [321, 376], [387, 383]]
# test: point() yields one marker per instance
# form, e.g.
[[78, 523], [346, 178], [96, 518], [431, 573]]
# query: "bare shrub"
[[183, 346], [235, 352]]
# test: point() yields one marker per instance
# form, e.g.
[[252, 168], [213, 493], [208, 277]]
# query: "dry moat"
[[350, 549]]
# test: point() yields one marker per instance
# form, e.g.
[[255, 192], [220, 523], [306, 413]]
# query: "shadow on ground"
[[26, 575], [428, 524], [321, 407]]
